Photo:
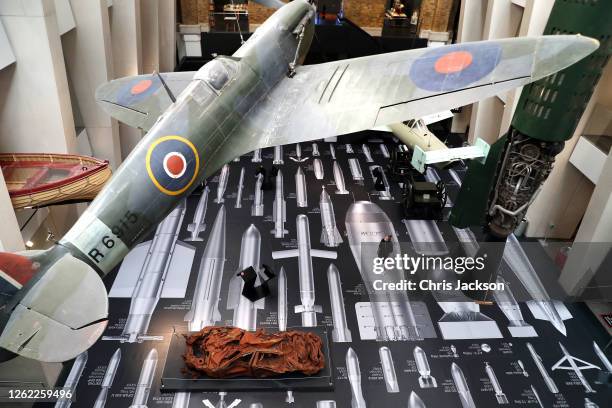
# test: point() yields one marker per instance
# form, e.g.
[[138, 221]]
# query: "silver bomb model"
[[462, 387], [223, 178], [278, 155], [107, 380], [198, 225], [339, 179], [318, 169], [256, 156], [341, 333], [509, 306], [238, 203], [152, 277], [205, 304], [315, 150], [257, 209], [279, 209], [72, 380], [330, 236], [282, 300], [366, 225], [426, 380], [355, 168], [304, 254], [388, 369], [301, 193], [143, 386], [499, 393], [354, 376], [245, 311], [367, 153]]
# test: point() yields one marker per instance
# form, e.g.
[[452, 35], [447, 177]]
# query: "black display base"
[[176, 378]]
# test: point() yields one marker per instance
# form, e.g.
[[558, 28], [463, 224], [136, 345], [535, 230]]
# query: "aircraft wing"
[[352, 95], [139, 100]]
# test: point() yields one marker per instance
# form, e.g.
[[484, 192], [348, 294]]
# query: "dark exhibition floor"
[[440, 351]]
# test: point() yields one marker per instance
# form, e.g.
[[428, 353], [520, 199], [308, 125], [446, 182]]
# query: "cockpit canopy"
[[218, 72]]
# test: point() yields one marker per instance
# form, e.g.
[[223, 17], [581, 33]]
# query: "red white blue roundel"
[[138, 89], [172, 164], [450, 68]]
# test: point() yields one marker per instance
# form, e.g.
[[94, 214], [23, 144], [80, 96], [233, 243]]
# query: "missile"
[[304, 253], [426, 380], [589, 404], [604, 360], [223, 177], [339, 179], [143, 387], [301, 194], [355, 168], [204, 306], [388, 368], [257, 209], [152, 278], [349, 148], [181, 399], [462, 387], [315, 150], [198, 225], [332, 151], [240, 188], [354, 377], [541, 306], [367, 153], [256, 156], [499, 394], [384, 151], [107, 381], [522, 366], [455, 177], [573, 366], [366, 225], [298, 154], [221, 403], [289, 398], [318, 169], [509, 306], [282, 300], [72, 381], [414, 401], [386, 193], [278, 155], [537, 396], [330, 236], [245, 311], [550, 383], [326, 404], [341, 332], [279, 211]]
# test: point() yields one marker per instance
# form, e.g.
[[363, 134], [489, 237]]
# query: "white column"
[[10, 236], [167, 35], [127, 56], [593, 241], [35, 108], [89, 63], [150, 34]]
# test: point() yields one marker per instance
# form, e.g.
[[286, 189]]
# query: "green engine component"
[[550, 108], [496, 194]]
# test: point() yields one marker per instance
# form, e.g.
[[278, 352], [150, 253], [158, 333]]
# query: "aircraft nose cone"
[[557, 52]]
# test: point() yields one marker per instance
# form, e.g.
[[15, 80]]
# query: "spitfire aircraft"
[[54, 305]]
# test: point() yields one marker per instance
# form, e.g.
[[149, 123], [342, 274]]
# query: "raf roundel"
[[172, 164], [448, 69]]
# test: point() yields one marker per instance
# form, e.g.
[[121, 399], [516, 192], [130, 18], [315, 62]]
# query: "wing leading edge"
[[352, 95]]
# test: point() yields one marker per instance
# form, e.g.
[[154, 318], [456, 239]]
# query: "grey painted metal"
[[367, 153], [315, 150], [282, 300], [256, 156], [332, 151], [499, 393], [278, 155], [550, 383]]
